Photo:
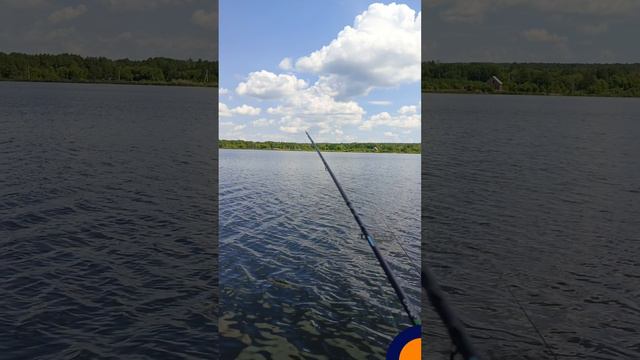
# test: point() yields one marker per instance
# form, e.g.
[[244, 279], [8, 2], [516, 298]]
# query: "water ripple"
[[297, 280], [107, 226], [527, 200]]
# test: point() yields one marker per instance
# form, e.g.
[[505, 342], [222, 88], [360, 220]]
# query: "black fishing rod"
[[365, 234], [455, 328]]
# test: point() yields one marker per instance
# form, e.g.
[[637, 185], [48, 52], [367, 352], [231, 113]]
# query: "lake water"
[[532, 208], [107, 222], [297, 281]]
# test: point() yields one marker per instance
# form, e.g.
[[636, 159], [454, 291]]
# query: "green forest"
[[74, 68], [533, 78], [402, 148]]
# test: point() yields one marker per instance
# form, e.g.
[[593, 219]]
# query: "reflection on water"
[[536, 197], [297, 280]]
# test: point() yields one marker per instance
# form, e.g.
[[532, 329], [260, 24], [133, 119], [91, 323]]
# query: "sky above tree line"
[[135, 29], [345, 70], [568, 31]]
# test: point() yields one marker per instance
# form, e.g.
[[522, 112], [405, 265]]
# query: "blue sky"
[[364, 85]]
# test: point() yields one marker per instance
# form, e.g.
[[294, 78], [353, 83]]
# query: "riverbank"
[[70, 68], [548, 79], [381, 148], [151, 83], [516, 93]]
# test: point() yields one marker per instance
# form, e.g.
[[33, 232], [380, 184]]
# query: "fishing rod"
[[365, 234], [455, 328]]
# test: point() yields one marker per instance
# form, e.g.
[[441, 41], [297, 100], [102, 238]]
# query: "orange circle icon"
[[412, 351]]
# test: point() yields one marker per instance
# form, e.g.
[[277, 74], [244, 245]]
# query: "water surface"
[[107, 222], [534, 202], [297, 281]]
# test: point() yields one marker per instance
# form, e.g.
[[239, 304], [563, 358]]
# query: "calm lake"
[[296, 280], [532, 208], [107, 222]]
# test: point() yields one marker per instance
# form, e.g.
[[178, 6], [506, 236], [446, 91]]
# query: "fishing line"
[[541, 337], [395, 239], [415, 320]]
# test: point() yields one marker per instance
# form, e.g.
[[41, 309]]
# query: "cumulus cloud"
[[408, 110], [381, 49], [380, 102], [544, 36], [476, 10], [225, 111], [267, 85], [407, 117], [589, 7], [293, 125], [223, 91], [262, 122], [231, 130], [246, 110], [314, 103], [285, 64], [207, 20], [300, 106], [67, 13]]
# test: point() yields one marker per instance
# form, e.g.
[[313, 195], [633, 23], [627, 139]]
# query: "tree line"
[[533, 78], [402, 148], [75, 68]]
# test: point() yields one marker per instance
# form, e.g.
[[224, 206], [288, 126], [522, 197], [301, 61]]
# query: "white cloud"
[[407, 117], [262, 122], [207, 20], [267, 85], [67, 13], [382, 49], [231, 130], [293, 125], [380, 102], [223, 91], [285, 64], [246, 110], [475, 11], [544, 36], [407, 110], [225, 111], [389, 134], [315, 104]]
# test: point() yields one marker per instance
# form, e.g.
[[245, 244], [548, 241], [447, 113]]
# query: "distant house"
[[495, 83]]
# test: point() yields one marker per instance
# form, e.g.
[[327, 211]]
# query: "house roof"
[[495, 78]]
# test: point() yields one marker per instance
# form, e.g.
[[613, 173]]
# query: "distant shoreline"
[[99, 82], [544, 79], [324, 151], [514, 93], [70, 68], [373, 148]]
